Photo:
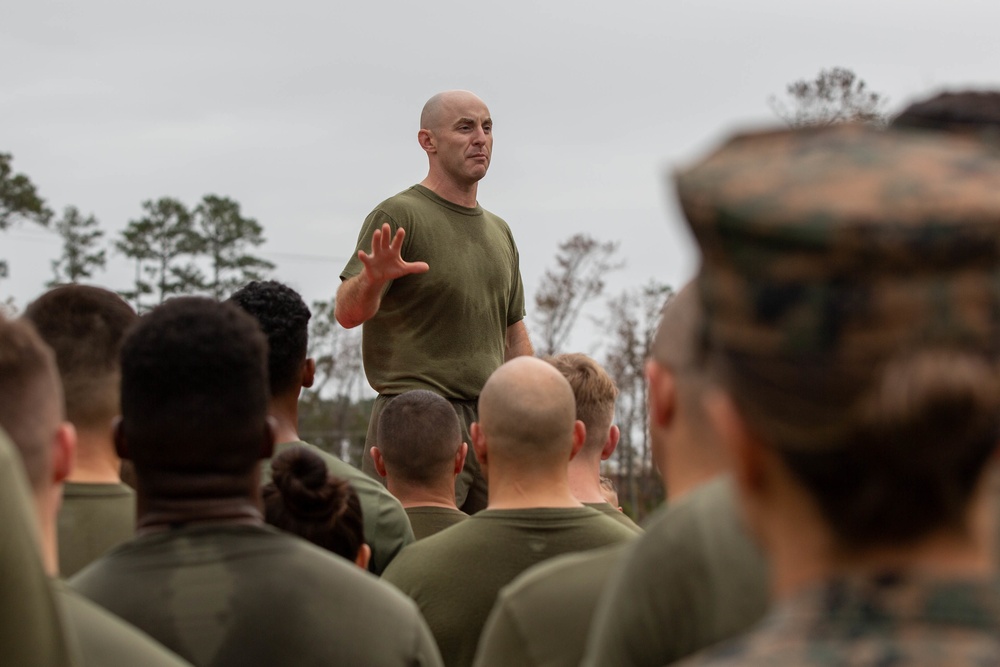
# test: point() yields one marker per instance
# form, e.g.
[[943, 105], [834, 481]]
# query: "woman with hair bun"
[[305, 499]]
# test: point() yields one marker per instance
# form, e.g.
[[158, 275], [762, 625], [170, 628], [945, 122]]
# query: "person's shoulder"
[[104, 639], [567, 570], [401, 205]]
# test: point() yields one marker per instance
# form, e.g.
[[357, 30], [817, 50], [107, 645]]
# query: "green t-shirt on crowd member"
[[427, 521], [455, 576], [541, 619], [230, 595], [101, 639], [616, 514], [387, 528], [443, 330], [693, 579], [31, 630], [93, 519]]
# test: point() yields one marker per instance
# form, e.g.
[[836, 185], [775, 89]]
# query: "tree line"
[[177, 249]]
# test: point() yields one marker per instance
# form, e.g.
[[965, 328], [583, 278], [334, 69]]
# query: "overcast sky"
[[306, 112]]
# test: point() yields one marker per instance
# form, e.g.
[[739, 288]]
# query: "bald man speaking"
[[436, 280]]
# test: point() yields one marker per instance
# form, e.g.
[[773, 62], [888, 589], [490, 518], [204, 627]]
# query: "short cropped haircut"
[[85, 327], [284, 319], [30, 397], [418, 436], [595, 393], [304, 499], [917, 442], [194, 390]]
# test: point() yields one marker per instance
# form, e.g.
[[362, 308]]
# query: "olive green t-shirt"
[[693, 579], [455, 576], [427, 521], [225, 595], [443, 330], [387, 528], [93, 518], [31, 630], [541, 619], [104, 640], [613, 512]]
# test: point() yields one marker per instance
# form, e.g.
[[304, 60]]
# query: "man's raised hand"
[[386, 262]]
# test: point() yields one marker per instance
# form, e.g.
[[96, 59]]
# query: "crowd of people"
[[824, 408]]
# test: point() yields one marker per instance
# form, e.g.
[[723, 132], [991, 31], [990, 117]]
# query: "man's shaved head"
[[527, 412], [434, 111]]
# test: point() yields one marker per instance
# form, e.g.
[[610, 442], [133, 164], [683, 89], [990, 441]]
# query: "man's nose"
[[479, 138]]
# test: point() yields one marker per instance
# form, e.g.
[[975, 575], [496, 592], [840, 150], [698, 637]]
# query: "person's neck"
[[457, 193], [160, 514], [803, 551], [517, 489], [285, 411], [441, 493], [684, 473], [585, 479], [47, 504], [96, 461]]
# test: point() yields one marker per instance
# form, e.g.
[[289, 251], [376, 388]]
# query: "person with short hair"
[[526, 434], [595, 394], [205, 575], [284, 318], [436, 280], [304, 499], [853, 320], [711, 580], [85, 326], [420, 453], [32, 412]]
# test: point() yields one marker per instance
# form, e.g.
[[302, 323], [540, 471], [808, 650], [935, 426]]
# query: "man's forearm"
[[517, 342], [358, 299]]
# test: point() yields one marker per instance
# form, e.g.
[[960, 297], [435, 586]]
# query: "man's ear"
[[611, 444], [378, 461], [662, 394], [460, 455], [364, 555], [579, 437], [426, 140], [478, 443], [270, 436], [117, 433], [63, 452], [309, 372]]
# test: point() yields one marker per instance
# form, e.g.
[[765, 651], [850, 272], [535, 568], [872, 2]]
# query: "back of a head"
[[679, 346], [30, 397], [527, 413], [194, 392], [85, 327], [284, 319], [418, 437], [595, 393], [304, 499], [852, 312], [972, 111]]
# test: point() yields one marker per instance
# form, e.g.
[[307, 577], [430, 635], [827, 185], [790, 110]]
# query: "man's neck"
[[585, 479], [461, 194], [285, 411], [441, 494], [518, 490], [160, 514], [96, 461]]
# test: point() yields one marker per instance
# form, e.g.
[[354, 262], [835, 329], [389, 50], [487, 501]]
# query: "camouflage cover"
[[847, 241], [878, 620]]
